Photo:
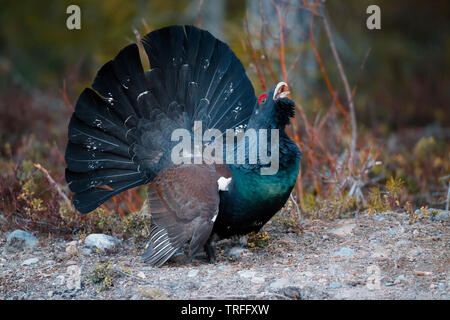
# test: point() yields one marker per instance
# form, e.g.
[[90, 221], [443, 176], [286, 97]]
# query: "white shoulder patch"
[[223, 183]]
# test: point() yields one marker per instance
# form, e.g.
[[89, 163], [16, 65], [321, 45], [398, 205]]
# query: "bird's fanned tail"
[[119, 134]]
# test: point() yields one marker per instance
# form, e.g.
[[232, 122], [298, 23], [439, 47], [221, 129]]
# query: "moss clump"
[[102, 275], [375, 201], [336, 207], [288, 218], [258, 240], [422, 214], [136, 226]]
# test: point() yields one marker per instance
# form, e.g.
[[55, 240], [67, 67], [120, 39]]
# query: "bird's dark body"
[[253, 198], [120, 138]]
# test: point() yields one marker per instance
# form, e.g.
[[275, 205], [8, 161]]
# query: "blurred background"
[[372, 105]]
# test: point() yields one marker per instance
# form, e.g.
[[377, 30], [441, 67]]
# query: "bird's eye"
[[262, 98]]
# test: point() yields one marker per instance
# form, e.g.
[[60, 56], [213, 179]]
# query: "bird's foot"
[[210, 252]]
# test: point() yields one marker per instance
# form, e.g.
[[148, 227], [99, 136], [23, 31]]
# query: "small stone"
[[72, 248], [258, 280], [335, 285], [50, 294], [344, 252], [280, 283], [102, 241], [439, 215], [401, 278], [192, 273], [247, 274], [389, 284], [141, 275], [19, 240], [381, 253], [73, 281], [308, 274], [325, 237], [59, 280], [378, 217], [403, 242], [344, 230], [30, 261], [423, 273], [237, 252], [86, 251], [413, 253]]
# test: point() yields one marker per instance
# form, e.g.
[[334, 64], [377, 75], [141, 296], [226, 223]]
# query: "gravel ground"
[[378, 257]]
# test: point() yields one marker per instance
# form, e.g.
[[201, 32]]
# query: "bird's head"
[[274, 108]]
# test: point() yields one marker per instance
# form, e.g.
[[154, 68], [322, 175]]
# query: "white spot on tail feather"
[[223, 183], [142, 94]]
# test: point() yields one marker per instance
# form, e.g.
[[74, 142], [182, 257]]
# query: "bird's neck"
[[250, 185]]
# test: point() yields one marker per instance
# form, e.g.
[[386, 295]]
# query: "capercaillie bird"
[[120, 137]]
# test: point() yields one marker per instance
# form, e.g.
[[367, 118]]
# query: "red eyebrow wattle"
[[261, 97]]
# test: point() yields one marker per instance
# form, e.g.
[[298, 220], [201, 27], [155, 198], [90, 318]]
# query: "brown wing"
[[184, 202]]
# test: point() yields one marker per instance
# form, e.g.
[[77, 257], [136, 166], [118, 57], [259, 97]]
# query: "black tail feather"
[[91, 199], [119, 136], [78, 160]]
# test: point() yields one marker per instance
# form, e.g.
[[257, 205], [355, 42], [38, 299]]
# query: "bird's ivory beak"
[[281, 91]]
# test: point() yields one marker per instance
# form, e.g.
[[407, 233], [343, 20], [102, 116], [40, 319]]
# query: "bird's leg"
[[210, 252]]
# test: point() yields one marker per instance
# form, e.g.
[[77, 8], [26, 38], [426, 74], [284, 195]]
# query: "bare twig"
[[324, 72], [42, 223], [53, 184], [137, 34], [299, 213], [65, 97], [132, 276], [199, 14], [294, 64], [145, 24], [281, 51], [444, 184], [448, 197], [347, 90], [261, 77]]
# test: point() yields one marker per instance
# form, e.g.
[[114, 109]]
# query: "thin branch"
[[261, 77], [53, 184], [448, 198], [324, 72], [132, 276], [145, 24], [199, 14], [347, 90], [65, 97], [299, 213], [265, 25], [294, 63], [281, 51]]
